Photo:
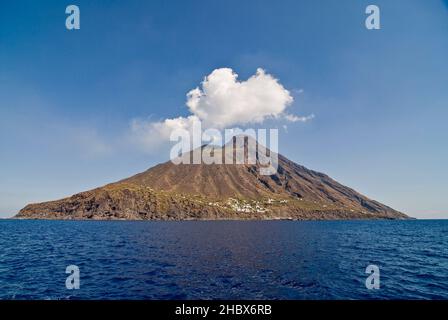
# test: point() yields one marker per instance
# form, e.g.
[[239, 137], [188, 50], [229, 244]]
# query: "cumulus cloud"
[[222, 101]]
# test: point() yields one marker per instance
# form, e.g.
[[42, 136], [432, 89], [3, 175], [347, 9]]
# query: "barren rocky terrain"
[[217, 191]]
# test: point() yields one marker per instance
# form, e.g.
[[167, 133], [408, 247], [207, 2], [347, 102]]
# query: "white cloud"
[[149, 134], [222, 101], [294, 118]]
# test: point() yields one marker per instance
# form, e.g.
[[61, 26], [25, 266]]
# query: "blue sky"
[[379, 97]]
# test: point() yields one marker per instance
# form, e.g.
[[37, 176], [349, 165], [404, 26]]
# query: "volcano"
[[231, 191]]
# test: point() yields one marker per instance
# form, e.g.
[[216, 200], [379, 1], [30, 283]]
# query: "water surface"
[[224, 259]]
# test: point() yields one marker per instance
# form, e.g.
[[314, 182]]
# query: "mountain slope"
[[217, 191]]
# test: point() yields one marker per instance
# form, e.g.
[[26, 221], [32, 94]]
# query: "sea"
[[224, 260]]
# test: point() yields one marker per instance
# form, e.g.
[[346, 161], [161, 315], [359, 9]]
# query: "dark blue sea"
[[224, 259]]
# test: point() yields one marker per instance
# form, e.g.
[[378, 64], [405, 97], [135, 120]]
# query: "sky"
[[83, 108]]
